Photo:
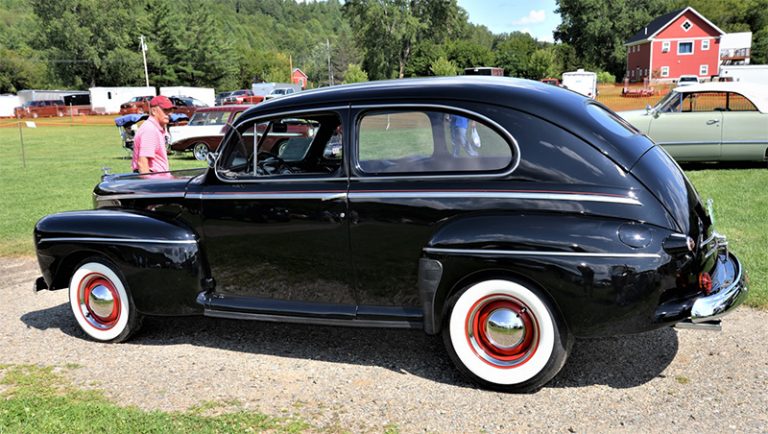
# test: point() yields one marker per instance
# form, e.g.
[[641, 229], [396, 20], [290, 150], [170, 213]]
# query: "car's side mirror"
[[211, 159]]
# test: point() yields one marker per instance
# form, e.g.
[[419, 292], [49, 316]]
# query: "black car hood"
[[155, 184]]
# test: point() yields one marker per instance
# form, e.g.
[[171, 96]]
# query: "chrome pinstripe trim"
[[140, 196], [326, 196], [117, 240], [731, 142], [472, 252], [497, 195]]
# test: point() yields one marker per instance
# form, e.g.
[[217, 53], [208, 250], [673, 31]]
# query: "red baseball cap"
[[161, 101]]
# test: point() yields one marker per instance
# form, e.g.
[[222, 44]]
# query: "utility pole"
[[144, 54], [330, 71]]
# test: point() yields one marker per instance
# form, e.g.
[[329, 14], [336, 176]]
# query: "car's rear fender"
[[580, 262], [161, 260]]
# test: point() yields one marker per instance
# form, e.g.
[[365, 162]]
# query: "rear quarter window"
[[429, 142]]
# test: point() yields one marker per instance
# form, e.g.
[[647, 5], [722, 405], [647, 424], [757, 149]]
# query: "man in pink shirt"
[[149, 154]]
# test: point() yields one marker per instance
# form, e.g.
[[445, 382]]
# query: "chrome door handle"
[[713, 121]]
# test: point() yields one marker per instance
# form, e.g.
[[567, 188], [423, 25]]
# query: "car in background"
[[220, 97], [566, 222], [718, 121], [205, 129], [41, 109], [282, 91], [136, 105], [243, 96], [186, 105], [687, 80]]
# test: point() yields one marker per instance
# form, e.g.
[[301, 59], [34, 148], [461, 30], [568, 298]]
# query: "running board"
[[314, 320], [712, 325]]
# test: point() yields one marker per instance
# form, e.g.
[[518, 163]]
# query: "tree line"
[[228, 44]]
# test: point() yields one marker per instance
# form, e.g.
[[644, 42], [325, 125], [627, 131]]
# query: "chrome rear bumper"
[[729, 289]]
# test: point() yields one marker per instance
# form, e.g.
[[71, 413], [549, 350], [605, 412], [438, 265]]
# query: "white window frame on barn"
[[705, 45], [703, 69], [688, 24], [665, 46], [665, 71]]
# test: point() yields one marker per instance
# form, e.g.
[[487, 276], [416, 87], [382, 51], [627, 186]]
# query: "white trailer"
[[107, 100], [7, 104], [204, 94], [745, 73], [265, 89], [581, 81]]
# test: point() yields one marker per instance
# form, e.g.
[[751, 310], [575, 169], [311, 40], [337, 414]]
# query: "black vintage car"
[[508, 215]]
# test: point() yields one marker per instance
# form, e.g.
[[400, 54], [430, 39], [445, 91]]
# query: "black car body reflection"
[[508, 215]]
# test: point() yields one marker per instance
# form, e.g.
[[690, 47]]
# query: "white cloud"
[[533, 17]]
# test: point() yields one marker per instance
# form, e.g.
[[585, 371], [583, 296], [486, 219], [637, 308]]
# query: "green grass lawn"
[[64, 163], [40, 400]]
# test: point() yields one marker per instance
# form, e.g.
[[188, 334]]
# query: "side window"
[[428, 142], [705, 102], [309, 146], [738, 103]]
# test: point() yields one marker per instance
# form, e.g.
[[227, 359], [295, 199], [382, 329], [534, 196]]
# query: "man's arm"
[[143, 163]]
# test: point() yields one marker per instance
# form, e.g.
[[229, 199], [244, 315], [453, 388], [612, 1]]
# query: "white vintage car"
[[709, 122]]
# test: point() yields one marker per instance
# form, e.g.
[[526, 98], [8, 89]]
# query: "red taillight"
[[705, 282]]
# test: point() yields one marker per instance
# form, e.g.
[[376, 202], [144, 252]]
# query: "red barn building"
[[682, 42], [299, 77]]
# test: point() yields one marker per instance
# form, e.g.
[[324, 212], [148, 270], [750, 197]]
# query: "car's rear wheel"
[[200, 151], [101, 303], [504, 335]]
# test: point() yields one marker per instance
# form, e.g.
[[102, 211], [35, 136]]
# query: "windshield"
[[670, 103]]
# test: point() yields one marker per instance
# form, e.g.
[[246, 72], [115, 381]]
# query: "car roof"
[[756, 93], [562, 107]]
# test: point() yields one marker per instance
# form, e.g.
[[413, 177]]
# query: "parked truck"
[[745, 73], [581, 81]]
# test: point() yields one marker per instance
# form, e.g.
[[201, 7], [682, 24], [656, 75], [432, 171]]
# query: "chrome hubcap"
[[101, 302], [502, 331], [504, 328]]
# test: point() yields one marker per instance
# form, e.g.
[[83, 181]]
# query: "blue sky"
[[536, 17]]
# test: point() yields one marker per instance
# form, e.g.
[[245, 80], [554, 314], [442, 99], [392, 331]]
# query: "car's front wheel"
[[101, 303], [200, 151], [504, 335]]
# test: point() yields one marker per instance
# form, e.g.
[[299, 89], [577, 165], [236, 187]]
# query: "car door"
[[691, 129], [276, 236], [406, 180], [745, 131]]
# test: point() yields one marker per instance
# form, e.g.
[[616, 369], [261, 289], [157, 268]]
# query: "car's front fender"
[[160, 260]]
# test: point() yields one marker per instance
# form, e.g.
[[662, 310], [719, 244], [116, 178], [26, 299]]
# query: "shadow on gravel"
[[619, 362]]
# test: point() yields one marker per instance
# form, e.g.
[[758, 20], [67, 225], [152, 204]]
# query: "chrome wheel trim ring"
[[200, 151]]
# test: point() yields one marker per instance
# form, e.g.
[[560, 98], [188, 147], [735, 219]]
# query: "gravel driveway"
[[362, 380]]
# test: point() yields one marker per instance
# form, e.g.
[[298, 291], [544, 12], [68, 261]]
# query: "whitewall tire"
[[101, 303], [503, 335]]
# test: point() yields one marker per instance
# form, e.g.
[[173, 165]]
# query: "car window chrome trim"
[[472, 252], [262, 116], [746, 142], [415, 175], [117, 240], [577, 197]]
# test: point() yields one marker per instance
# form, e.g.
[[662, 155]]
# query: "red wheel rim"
[[99, 318], [484, 345]]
